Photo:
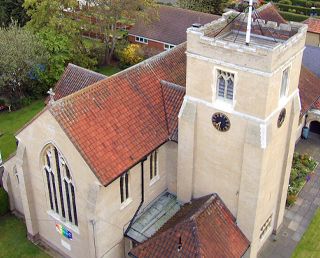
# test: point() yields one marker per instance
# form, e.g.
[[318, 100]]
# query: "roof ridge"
[[265, 6], [86, 69], [187, 10], [149, 61]]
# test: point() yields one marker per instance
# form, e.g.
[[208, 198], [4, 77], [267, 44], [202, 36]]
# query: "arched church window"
[[60, 185], [225, 85]]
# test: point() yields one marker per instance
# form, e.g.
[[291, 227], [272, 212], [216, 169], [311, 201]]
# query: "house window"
[[60, 185], [168, 46], [142, 40], [225, 85], [265, 227], [124, 187], [153, 164], [284, 83]]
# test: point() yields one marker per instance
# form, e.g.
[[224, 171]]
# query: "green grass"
[[11, 122], [309, 246], [108, 70], [13, 240]]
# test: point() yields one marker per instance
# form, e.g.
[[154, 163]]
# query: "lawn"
[[309, 246], [13, 240], [108, 70], [11, 122]]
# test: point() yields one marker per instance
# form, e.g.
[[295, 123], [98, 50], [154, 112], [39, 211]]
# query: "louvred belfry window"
[[225, 85], [60, 185]]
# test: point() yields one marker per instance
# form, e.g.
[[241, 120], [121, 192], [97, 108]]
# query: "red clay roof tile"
[[269, 12], [75, 78], [203, 228], [313, 25], [117, 121]]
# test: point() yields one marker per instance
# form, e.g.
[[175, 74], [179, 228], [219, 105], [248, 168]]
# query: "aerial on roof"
[[116, 122], [75, 78], [313, 25], [200, 228], [171, 24]]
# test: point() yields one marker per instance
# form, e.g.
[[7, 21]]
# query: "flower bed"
[[302, 167]]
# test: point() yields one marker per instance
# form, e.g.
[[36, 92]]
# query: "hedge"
[[298, 9], [293, 16], [4, 202], [304, 3]]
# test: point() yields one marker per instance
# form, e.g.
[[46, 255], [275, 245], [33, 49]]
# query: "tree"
[[56, 23], [109, 14], [23, 58], [206, 6], [12, 10]]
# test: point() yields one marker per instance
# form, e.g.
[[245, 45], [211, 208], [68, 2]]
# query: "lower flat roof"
[[154, 217]]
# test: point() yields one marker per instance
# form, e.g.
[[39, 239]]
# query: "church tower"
[[238, 122]]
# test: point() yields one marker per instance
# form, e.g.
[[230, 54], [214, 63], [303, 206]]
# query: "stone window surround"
[[51, 212], [125, 188], [266, 227], [282, 99], [219, 102]]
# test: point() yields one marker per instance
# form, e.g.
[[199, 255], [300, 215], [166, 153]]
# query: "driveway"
[[298, 217]]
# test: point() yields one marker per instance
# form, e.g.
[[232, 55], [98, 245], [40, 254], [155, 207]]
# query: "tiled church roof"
[[116, 122], [75, 78], [309, 88], [201, 228]]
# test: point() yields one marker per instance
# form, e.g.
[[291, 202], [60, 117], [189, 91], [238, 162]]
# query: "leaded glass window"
[[60, 185], [124, 187], [284, 83], [225, 85], [153, 164]]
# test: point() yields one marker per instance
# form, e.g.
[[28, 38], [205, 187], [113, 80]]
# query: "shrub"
[[291, 200], [131, 55], [293, 16], [285, 2], [4, 202]]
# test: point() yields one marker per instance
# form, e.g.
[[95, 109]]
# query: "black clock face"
[[281, 117], [221, 122]]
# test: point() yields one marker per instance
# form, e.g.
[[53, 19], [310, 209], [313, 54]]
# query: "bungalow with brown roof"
[[168, 29]]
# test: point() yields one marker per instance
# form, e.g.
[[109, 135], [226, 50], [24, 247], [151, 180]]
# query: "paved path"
[[298, 217]]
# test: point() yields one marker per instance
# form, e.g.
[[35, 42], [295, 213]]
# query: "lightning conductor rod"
[[249, 23]]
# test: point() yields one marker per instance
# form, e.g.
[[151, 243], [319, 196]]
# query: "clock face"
[[281, 117], [221, 122]]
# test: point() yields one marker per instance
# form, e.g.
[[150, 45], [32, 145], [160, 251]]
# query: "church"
[[187, 154]]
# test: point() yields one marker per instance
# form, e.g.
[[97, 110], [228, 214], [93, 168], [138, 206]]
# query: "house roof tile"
[[115, 122], [171, 24], [269, 12], [313, 25], [202, 228]]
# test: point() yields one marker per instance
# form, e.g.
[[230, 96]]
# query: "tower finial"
[[249, 23]]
